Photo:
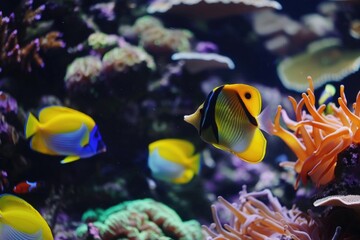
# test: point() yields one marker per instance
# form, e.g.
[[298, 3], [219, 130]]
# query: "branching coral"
[[254, 219], [15, 49], [316, 137], [141, 219]]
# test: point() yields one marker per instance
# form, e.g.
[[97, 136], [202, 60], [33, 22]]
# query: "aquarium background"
[[115, 61]]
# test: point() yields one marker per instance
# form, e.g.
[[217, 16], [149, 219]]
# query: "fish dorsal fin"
[[185, 146], [48, 113], [249, 95], [255, 152]]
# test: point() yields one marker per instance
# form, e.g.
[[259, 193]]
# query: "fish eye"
[[247, 95]]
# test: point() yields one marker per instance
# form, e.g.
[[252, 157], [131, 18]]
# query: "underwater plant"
[[139, 219], [317, 137], [253, 218]]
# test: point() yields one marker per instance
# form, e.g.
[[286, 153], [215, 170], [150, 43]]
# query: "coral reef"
[[210, 9], [316, 137], [253, 218], [157, 39], [139, 219], [15, 49], [82, 75]]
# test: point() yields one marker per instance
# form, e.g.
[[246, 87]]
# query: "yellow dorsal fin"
[[256, 150], [48, 113], [185, 146]]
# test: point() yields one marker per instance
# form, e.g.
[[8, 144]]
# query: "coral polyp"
[[253, 218]]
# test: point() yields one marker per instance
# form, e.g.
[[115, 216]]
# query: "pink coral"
[[254, 219]]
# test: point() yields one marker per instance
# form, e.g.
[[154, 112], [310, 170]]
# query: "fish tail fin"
[[196, 163], [31, 126], [264, 120]]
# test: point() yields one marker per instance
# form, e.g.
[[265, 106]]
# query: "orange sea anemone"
[[317, 138]]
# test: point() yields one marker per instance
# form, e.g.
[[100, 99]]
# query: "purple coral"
[[7, 103], [15, 49], [253, 218]]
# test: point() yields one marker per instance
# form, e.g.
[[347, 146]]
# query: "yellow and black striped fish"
[[230, 120]]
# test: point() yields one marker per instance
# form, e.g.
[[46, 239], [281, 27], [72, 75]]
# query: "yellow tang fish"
[[230, 120], [173, 160], [19, 220], [64, 131]]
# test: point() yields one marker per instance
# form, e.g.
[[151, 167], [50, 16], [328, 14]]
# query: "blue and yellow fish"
[[63, 131], [19, 220], [173, 160], [230, 120]]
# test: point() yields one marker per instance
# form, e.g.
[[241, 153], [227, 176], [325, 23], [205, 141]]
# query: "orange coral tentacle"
[[355, 119], [312, 110], [357, 105], [287, 137], [342, 94]]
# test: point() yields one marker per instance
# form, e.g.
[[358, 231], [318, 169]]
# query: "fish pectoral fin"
[[69, 159], [187, 175], [255, 152]]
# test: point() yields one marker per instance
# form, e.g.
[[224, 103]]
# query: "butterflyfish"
[[20, 221], [230, 120], [173, 160], [63, 131]]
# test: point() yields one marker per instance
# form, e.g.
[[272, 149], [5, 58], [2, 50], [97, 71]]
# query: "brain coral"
[[140, 219]]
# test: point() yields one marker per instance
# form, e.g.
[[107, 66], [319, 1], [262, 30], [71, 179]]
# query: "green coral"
[[140, 219], [120, 59]]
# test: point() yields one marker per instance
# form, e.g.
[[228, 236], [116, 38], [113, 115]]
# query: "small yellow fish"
[[327, 94], [19, 220], [230, 120], [64, 131], [326, 98], [173, 160]]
